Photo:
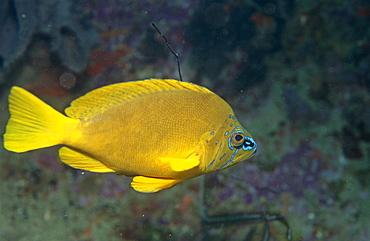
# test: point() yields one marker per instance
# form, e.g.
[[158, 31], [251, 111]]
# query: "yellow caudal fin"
[[33, 124]]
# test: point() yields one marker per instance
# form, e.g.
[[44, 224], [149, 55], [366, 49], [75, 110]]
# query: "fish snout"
[[250, 144]]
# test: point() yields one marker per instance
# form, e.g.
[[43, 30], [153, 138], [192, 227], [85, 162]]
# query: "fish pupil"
[[238, 137]]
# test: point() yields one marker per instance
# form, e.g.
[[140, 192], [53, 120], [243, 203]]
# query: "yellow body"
[[159, 131]]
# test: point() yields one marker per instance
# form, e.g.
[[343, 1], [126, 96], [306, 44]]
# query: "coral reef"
[[244, 32], [295, 72], [66, 29]]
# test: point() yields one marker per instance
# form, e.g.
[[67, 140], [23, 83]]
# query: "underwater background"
[[297, 74]]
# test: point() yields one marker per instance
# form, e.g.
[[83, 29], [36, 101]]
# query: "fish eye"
[[237, 139]]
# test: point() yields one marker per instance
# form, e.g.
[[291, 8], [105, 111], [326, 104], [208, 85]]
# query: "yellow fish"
[[158, 131]]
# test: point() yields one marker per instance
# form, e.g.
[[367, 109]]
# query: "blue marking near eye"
[[219, 148], [226, 133], [212, 133], [249, 144], [231, 159], [222, 156], [206, 141], [229, 143], [231, 124], [211, 164], [216, 142]]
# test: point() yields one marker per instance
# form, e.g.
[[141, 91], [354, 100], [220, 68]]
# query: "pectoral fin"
[[182, 164], [80, 160], [152, 184]]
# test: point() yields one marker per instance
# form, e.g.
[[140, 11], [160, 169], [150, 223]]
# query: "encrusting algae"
[[158, 131]]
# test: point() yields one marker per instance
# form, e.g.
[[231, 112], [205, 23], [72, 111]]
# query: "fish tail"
[[33, 124]]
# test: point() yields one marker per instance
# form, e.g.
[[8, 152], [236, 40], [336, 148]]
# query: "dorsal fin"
[[107, 96]]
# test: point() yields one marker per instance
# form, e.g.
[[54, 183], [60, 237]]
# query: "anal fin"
[[80, 160], [152, 184]]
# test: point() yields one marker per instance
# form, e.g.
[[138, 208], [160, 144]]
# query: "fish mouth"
[[249, 144]]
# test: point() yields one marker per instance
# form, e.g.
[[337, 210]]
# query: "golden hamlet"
[[160, 132]]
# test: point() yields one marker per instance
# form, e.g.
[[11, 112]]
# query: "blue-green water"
[[295, 72]]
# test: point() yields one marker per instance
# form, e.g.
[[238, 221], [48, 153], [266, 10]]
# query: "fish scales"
[[160, 132], [168, 124]]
